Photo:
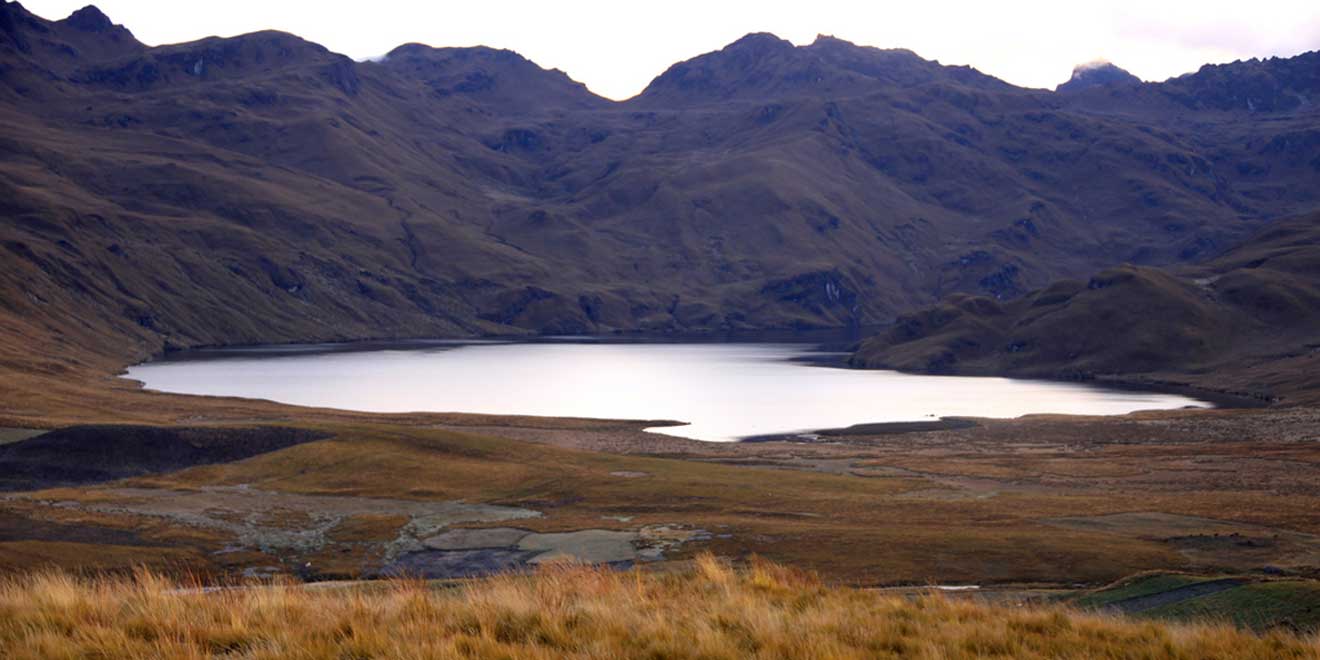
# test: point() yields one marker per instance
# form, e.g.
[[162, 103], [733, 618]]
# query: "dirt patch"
[[596, 546], [475, 552], [445, 564], [471, 539], [305, 524], [80, 455]]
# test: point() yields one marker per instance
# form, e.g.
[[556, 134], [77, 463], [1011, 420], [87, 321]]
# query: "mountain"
[[761, 67], [500, 79], [1247, 321], [1098, 74], [61, 46], [263, 188]]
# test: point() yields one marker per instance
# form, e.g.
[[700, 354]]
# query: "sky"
[[616, 47]]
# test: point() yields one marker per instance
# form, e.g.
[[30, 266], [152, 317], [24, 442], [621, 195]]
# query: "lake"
[[723, 391]]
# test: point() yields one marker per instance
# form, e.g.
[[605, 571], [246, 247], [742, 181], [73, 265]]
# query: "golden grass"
[[712, 611]]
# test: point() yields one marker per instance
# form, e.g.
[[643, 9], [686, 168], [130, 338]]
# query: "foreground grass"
[[713, 611]]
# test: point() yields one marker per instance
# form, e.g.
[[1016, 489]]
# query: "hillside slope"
[[712, 611], [262, 188], [1247, 320]]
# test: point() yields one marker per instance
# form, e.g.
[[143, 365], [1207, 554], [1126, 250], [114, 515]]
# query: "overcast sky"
[[616, 47]]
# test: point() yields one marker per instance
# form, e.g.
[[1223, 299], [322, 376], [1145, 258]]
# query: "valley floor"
[[1035, 508]]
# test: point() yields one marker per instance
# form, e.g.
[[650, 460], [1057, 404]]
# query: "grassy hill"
[[1246, 321], [711, 611]]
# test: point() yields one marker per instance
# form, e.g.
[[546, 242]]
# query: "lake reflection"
[[724, 391]]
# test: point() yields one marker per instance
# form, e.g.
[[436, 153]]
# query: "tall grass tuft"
[[715, 610]]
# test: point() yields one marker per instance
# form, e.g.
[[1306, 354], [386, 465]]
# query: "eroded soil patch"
[[476, 552]]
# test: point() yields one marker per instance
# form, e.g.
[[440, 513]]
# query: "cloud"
[[1093, 64]]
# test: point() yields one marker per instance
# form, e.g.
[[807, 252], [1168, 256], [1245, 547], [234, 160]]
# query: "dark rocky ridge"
[[263, 188]]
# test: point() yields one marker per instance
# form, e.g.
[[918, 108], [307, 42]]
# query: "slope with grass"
[[710, 611], [1255, 604], [1246, 321]]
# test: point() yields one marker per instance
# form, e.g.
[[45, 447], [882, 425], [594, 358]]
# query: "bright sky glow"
[[616, 47]]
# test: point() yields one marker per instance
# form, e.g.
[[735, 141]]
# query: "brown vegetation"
[[711, 611]]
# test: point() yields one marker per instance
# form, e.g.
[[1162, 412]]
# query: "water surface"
[[723, 391]]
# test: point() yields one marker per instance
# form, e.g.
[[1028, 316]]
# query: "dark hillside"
[[1248, 320], [262, 188]]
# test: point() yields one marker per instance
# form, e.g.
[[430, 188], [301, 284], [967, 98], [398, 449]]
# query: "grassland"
[[1024, 508], [711, 611], [1046, 500], [1013, 505]]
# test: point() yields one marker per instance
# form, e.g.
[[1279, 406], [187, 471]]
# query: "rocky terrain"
[[262, 188]]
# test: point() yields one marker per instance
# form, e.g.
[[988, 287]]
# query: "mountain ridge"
[[175, 194]]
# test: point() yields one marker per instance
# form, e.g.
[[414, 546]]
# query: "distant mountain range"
[[262, 188]]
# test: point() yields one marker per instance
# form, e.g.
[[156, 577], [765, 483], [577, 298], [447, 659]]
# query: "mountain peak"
[[762, 66], [58, 47], [762, 42], [1096, 74], [89, 19], [829, 41], [504, 78], [456, 53]]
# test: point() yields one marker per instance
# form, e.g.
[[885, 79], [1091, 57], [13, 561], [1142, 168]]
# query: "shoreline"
[[867, 429], [822, 356]]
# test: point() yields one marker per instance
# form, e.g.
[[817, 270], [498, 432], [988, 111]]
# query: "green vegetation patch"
[[1144, 586], [1259, 606]]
